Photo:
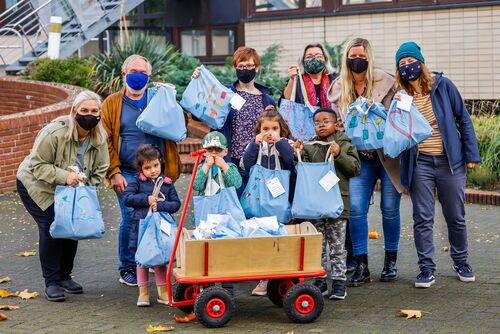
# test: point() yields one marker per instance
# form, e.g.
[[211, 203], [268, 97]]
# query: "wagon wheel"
[[184, 292], [214, 307], [277, 289], [303, 303]]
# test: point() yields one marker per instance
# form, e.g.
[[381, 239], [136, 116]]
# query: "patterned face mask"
[[314, 66], [410, 72]]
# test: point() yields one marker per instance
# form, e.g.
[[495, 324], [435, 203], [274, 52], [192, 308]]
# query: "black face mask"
[[357, 65], [87, 122], [245, 76]]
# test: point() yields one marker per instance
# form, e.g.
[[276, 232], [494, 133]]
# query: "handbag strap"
[[208, 187], [157, 192], [329, 155], [272, 150], [304, 92]]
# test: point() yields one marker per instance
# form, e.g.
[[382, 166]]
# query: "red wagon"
[[283, 260]]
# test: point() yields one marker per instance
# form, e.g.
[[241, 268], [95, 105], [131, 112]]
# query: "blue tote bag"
[[365, 126], [311, 200], [224, 202], [207, 99], [404, 129], [298, 116], [257, 200], [78, 214], [156, 240], [163, 117]]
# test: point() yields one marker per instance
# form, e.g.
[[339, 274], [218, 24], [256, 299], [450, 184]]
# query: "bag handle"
[[157, 192], [208, 187], [329, 156], [304, 91], [272, 151]]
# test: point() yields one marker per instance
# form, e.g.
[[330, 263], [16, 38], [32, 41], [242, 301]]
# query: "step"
[[189, 145], [27, 59], [14, 69], [187, 163], [197, 129]]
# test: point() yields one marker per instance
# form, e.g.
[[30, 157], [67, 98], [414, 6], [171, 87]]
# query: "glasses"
[[245, 67], [214, 149], [325, 122], [318, 56]]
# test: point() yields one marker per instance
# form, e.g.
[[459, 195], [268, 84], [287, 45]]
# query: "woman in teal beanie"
[[439, 162]]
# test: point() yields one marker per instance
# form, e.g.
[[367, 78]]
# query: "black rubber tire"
[[308, 291], [273, 290], [178, 294], [208, 295]]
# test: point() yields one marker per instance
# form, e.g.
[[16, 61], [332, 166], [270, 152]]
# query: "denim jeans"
[[431, 173], [361, 189], [127, 257]]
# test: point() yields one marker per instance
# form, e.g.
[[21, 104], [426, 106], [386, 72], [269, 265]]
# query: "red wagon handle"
[[198, 154]]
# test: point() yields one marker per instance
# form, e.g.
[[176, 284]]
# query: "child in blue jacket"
[[138, 195]]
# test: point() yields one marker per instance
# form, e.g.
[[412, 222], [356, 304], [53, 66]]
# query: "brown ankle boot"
[[162, 294], [143, 299]]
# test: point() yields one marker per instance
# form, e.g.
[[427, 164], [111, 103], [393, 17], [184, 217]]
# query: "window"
[[362, 2], [313, 3], [266, 5], [223, 42], [193, 42]]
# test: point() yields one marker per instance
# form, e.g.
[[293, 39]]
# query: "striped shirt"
[[434, 144]]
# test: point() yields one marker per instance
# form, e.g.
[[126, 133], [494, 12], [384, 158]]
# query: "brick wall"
[[464, 43], [25, 107]]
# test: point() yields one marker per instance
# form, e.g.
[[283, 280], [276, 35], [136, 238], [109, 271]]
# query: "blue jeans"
[[361, 189], [127, 258], [431, 173]]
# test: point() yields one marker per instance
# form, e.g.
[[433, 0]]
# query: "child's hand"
[[152, 200], [271, 139], [298, 145], [335, 149], [260, 138], [221, 163], [154, 207], [209, 160], [196, 73]]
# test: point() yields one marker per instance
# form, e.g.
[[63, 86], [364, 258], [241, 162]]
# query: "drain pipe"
[[54, 37]]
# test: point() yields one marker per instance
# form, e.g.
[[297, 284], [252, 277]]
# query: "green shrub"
[[335, 53], [72, 71], [180, 71], [482, 177]]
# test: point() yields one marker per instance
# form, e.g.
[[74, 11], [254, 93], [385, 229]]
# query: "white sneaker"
[[260, 289]]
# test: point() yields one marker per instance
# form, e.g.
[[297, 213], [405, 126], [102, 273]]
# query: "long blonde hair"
[[426, 80], [98, 134], [348, 92]]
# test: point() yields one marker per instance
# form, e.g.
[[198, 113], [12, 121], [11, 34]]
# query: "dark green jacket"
[[346, 163]]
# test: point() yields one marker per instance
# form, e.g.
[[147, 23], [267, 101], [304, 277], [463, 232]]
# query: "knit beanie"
[[409, 49]]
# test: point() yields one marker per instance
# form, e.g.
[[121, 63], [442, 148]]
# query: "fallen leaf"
[[3, 317], [410, 313], [190, 317], [26, 253], [27, 295], [373, 234], [445, 249], [5, 280], [8, 307], [5, 294], [155, 329]]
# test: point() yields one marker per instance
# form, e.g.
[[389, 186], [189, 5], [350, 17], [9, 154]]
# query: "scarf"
[[311, 92]]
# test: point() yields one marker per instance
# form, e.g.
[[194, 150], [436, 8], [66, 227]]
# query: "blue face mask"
[[137, 80], [410, 72]]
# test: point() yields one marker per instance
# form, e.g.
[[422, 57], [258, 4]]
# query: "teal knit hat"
[[409, 49]]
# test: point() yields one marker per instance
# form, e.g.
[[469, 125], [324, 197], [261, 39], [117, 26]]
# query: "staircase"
[[24, 27], [196, 131]]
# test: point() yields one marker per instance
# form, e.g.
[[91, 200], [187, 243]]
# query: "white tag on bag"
[[275, 187], [165, 227], [405, 102], [237, 101], [214, 187], [329, 180]]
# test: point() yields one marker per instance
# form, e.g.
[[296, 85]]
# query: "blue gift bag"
[[229, 228], [299, 117], [78, 214], [207, 99], [404, 129], [163, 117], [257, 200], [224, 202], [154, 245], [365, 126], [311, 200]]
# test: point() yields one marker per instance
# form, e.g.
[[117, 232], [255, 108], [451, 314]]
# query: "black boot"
[[390, 272], [361, 273]]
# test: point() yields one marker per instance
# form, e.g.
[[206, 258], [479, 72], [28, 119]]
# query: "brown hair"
[[244, 53], [146, 152], [425, 81], [270, 114]]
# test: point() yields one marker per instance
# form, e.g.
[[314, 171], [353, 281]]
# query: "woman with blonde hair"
[[76, 140], [360, 78], [318, 74], [438, 163]]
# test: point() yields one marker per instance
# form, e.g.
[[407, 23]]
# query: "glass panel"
[[313, 3], [193, 42], [360, 2], [223, 42], [266, 5]]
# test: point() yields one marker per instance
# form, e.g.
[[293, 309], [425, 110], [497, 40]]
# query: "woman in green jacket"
[[80, 140]]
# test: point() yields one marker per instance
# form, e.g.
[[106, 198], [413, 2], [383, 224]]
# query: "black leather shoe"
[[390, 272], [54, 293], [71, 286], [361, 273], [350, 266]]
